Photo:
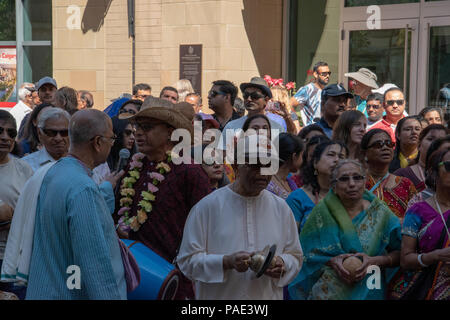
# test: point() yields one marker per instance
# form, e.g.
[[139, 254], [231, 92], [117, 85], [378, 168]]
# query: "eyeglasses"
[[446, 165], [53, 133], [111, 139], [398, 102], [128, 132], [130, 111], [213, 94], [255, 95], [12, 133], [346, 179], [324, 74], [146, 126], [379, 144], [375, 106]]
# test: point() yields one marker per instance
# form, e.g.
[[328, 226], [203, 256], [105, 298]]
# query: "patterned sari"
[[424, 223], [396, 198], [330, 232]]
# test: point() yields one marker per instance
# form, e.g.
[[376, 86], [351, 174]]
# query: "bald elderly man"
[[76, 252]]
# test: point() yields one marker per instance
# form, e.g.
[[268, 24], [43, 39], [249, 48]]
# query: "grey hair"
[[23, 93], [81, 131], [340, 164], [52, 113]]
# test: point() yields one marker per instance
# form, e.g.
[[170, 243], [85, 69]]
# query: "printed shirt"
[[310, 97]]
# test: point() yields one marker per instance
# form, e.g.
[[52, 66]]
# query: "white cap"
[[384, 88]]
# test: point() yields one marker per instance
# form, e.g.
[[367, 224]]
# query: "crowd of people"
[[359, 184]]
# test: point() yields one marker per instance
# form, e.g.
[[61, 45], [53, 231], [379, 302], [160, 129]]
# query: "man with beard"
[[307, 100], [225, 229], [221, 99], [333, 103]]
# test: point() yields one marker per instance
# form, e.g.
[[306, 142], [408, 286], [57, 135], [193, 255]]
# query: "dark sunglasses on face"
[[53, 133], [12, 133], [375, 106], [398, 102], [146, 126], [324, 74], [255, 95], [213, 94], [345, 179], [380, 144], [446, 165]]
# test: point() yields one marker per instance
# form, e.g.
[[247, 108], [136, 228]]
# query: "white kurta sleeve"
[[193, 259], [292, 253]]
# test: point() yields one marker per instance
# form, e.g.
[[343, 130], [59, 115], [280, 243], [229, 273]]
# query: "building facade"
[[86, 44]]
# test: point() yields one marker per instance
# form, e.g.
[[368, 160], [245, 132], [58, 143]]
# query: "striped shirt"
[[309, 97]]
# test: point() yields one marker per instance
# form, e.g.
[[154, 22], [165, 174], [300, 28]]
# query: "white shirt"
[[13, 176], [19, 111], [38, 159], [225, 222], [235, 127]]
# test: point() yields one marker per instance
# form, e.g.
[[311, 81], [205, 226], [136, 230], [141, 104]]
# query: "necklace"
[[442, 215], [127, 222]]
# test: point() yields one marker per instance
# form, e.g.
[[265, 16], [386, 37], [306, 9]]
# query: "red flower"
[[269, 80], [278, 82], [290, 85]]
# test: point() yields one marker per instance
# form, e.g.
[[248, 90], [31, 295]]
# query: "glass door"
[[389, 52], [434, 69]]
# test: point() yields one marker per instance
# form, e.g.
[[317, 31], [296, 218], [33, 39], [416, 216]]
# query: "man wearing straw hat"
[[363, 82], [225, 230], [156, 194]]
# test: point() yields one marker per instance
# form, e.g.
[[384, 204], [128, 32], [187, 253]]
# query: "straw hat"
[[365, 76], [179, 116]]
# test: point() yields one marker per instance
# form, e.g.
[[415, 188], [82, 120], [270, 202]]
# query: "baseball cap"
[[335, 90], [384, 88], [209, 118], [46, 80]]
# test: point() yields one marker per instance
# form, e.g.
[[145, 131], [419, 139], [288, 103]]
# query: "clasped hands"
[[337, 264], [240, 261]]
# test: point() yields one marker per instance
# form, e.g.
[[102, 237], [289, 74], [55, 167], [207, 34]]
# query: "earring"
[[315, 172]]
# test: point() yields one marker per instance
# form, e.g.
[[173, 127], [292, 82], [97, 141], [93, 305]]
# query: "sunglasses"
[[374, 106], [379, 144], [255, 95], [145, 126], [446, 165], [128, 132], [345, 179], [53, 133], [213, 94], [324, 74], [12, 133], [398, 102]]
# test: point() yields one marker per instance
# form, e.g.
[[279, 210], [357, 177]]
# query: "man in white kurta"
[[226, 227]]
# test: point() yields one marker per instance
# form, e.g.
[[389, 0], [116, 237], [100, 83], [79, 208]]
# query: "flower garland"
[[127, 191]]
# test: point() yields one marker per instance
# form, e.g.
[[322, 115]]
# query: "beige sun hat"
[[365, 76], [179, 116]]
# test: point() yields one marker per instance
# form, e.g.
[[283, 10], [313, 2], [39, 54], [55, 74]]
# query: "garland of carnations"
[[127, 222]]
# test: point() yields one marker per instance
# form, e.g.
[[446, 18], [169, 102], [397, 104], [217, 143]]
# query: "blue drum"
[[159, 278]]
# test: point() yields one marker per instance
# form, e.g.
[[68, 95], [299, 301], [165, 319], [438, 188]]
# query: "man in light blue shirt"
[[76, 252]]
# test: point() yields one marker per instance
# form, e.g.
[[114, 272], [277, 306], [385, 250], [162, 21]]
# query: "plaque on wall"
[[191, 65]]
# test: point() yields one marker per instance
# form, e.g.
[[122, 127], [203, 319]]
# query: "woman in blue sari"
[[349, 221]]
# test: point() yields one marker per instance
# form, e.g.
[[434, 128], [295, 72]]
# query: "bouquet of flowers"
[[290, 86]]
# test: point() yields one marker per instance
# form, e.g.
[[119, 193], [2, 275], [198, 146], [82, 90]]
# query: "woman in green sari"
[[349, 221]]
